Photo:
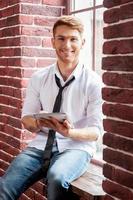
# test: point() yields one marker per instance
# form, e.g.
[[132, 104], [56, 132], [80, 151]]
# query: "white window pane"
[[81, 4], [99, 39], [86, 54], [99, 2]]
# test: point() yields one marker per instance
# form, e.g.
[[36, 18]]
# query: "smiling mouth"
[[67, 52]]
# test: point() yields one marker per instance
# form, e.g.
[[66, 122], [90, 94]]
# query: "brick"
[[9, 149], [3, 165], [40, 10], [17, 103], [35, 52], [28, 63], [30, 193], [53, 2], [44, 21], [31, 1], [28, 20], [2, 23], [10, 42], [36, 31], [24, 197], [13, 73], [40, 197], [14, 122], [39, 187], [119, 30], [118, 47], [126, 11], [47, 42], [118, 63], [11, 81], [118, 127], [118, 158], [8, 32], [8, 91], [12, 131], [14, 142], [124, 112], [117, 142], [110, 47], [120, 80], [13, 20], [126, 1], [8, 11], [118, 95], [125, 46], [6, 3], [6, 157], [4, 100], [113, 3], [117, 190], [7, 52], [3, 61], [111, 16], [118, 175], [45, 62], [11, 111], [13, 61], [30, 41]]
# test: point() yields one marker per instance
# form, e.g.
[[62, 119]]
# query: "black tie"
[[51, 134]]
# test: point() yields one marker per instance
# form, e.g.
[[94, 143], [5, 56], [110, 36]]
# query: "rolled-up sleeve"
[[32, 100]]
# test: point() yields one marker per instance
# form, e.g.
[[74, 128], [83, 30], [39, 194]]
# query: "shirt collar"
[[76, 73]]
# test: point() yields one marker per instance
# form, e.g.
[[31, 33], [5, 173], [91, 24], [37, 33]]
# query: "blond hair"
[[71, 21]]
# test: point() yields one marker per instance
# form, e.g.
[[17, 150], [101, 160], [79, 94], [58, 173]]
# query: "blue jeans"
[[24, 171]]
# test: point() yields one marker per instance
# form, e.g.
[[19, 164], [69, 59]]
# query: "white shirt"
[[82, 102]]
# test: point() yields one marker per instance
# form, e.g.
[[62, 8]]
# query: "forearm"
[[84, 134], [30, 123]]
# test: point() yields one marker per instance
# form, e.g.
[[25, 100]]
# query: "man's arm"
[[67, 130], [84, 134]]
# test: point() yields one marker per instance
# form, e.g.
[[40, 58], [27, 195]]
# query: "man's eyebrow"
[[71, 36], [60, 36]]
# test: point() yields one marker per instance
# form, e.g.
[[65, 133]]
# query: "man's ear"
[[83, 42], [53, 42]]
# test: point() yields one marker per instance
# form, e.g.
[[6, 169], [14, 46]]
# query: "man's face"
[[67, 42]]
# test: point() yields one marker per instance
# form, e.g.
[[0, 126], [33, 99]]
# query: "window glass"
[[81, 4], [98, 39], [99, 2], [86, 53]]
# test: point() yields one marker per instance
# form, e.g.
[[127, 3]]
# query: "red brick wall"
[[118, 96], [25, 31]]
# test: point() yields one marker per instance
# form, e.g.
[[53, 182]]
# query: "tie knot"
[[67, 83]]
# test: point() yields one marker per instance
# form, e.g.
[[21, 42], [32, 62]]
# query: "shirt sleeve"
[[32, 102], [94, 108]]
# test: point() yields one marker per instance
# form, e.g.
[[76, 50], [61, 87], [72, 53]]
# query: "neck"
[[66, 69]]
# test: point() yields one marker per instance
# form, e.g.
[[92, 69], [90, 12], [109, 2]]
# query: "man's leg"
[[20, 174], [65, 167]]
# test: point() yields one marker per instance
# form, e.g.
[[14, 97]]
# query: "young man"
[[75, 139]]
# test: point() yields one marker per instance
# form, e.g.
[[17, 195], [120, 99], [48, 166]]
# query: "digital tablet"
[[43, 115]]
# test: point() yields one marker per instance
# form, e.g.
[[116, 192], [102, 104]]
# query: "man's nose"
[[67, 43]]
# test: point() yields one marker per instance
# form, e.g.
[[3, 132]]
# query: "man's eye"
[[60, 38], [74, 39]]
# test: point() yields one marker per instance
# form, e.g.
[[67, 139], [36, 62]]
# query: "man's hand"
[[52, 123]]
